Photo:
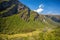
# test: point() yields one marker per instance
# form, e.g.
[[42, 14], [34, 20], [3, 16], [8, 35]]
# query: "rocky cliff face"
[[12, 12], [11, 7], [18, 18], [6, 4], [8, 8]]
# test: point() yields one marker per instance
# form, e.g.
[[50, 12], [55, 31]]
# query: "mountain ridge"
[[18, 15], [18, 22]]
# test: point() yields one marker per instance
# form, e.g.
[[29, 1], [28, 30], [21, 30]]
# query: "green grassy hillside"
[[18, 22]]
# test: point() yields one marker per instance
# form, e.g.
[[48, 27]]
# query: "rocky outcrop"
[[8, 8], [11, 7], [6, 4], [10, 12], [36, 17], [26, 16]]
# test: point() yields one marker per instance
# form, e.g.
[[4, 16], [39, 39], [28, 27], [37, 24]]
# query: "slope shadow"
[[10, 12], [5, 5]]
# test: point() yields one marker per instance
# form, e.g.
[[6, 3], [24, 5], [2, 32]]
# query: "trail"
[[24, 35], [21, 35], [34, 33]]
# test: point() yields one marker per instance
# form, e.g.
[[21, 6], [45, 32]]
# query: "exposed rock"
[[7, 8], [6, 4], [36, 17], [26, 16], [10, 12]]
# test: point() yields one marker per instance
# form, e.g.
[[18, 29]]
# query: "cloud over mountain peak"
[[39, 9]]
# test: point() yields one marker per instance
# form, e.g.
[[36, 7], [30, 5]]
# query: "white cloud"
[[40, 9]]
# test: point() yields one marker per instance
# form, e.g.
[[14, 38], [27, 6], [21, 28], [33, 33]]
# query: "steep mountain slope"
[[16, 18]]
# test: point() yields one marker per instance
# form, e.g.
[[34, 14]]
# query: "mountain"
[[16, 15], [16, 18], [10, 10], [55, 18]]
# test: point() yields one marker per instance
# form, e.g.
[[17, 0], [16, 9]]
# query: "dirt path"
[[34, 33], [21, 35], [24, 35]]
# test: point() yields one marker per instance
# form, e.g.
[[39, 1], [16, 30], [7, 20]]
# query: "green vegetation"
[[49, 34], [15, 27], [14, 24]]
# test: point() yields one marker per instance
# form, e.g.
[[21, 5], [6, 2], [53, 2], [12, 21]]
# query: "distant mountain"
[[55, 18], [16, 15], [17, 20]]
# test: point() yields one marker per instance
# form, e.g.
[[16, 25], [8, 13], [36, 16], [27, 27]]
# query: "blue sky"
[[43, 6]]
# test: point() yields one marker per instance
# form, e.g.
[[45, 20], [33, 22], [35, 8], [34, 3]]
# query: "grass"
[[14, 24], [15, 28], [50, 34]]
